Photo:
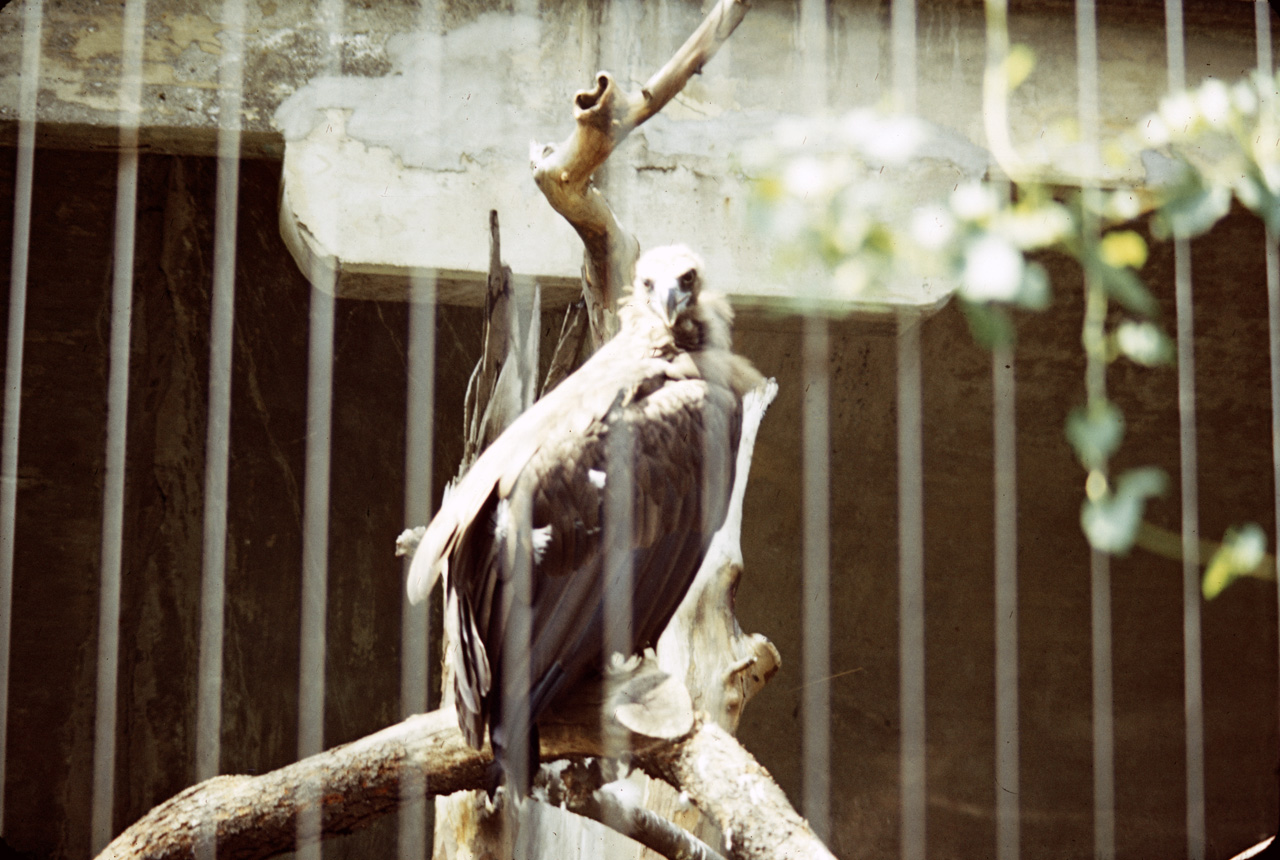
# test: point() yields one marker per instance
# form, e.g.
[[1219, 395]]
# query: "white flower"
[[1214, 101], [992, 270], [932, 226], [1244, 98], [894, 140], [1154, 131], [851, 278], [974, 201], [1037, 228], [1178, 112], [1123, 205], [804, 176]]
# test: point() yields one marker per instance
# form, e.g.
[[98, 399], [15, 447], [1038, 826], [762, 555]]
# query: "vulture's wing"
[[685, 435]]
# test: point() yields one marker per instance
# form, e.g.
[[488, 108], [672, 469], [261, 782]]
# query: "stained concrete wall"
[[392, 117]]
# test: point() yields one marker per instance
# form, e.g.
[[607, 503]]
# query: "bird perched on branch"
[[521, 538]]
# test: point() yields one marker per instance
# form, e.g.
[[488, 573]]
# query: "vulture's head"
[[669, 283], [669, 279]]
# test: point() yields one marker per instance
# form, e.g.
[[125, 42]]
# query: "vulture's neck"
[[703, 334]]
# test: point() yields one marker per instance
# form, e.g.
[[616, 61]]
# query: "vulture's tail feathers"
[[472, 678], [520, 738]]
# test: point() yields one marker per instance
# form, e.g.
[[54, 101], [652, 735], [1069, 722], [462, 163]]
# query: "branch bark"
[[604, 116], [729, 785], [256, 816]]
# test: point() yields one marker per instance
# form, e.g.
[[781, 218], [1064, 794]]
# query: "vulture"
[[670, 388]]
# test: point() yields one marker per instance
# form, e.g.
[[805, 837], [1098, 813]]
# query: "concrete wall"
[[393, 117]]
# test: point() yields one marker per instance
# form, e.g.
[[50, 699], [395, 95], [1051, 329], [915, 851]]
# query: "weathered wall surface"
[[392, 117]]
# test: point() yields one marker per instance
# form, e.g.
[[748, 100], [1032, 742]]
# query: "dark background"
[[50, 741]]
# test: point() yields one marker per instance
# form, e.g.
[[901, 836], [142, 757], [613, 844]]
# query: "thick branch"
[[728, 784], [359, 782], [256, 816], [605, 115]]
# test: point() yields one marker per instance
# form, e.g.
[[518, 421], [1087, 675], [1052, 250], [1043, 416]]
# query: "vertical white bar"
[[911, 588], [415, 662], [517, 636], [413, 840], [1262, 26], [816, 589], [619, 574], [816, 616], [1104, 785], [29, 87], [1087, 85], [1008, 824], [1193, 702], [104, 747], [1104, 816], [1194, 705], [1104, 794], [1175, 46], [911, 692], [315, 510], [903, 34], [218, 431], [1273, 327], [315, 549], [1262, 22], [813, 47]]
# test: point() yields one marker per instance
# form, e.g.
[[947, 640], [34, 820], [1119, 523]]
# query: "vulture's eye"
[[648, 283], [687, 279]]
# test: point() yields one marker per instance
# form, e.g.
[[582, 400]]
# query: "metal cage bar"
[[32, 32], [104, 752]]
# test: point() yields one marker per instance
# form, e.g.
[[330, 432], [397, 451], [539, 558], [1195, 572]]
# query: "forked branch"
[[604, 116]]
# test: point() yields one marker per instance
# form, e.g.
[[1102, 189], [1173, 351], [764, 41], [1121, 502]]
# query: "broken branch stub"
[[604, 115]]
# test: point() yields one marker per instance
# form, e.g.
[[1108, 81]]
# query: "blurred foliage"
[[832, 190]]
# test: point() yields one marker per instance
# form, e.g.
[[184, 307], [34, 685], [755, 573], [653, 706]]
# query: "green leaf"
[[1127, 288], [1095, 432], [1111, 522], [1143, 482], [1033, 292], [990, 325], [1191, 207], [1242, 550], [1144, 343]]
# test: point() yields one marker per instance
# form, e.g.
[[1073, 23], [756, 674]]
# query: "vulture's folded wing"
[[684, 437]]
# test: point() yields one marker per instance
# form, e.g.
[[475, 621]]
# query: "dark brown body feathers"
[[676, 390]]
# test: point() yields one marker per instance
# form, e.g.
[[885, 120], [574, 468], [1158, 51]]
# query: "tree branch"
[[580, 787], [604, 116], [729, 785], [256, 816]]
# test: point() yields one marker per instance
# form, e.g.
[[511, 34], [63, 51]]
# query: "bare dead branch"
[[498, 336], [581, 788], [573, 334], [728, 784], [256, 816], [604, 116]]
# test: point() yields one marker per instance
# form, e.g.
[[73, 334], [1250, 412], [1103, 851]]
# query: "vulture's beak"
[[670, 297]]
